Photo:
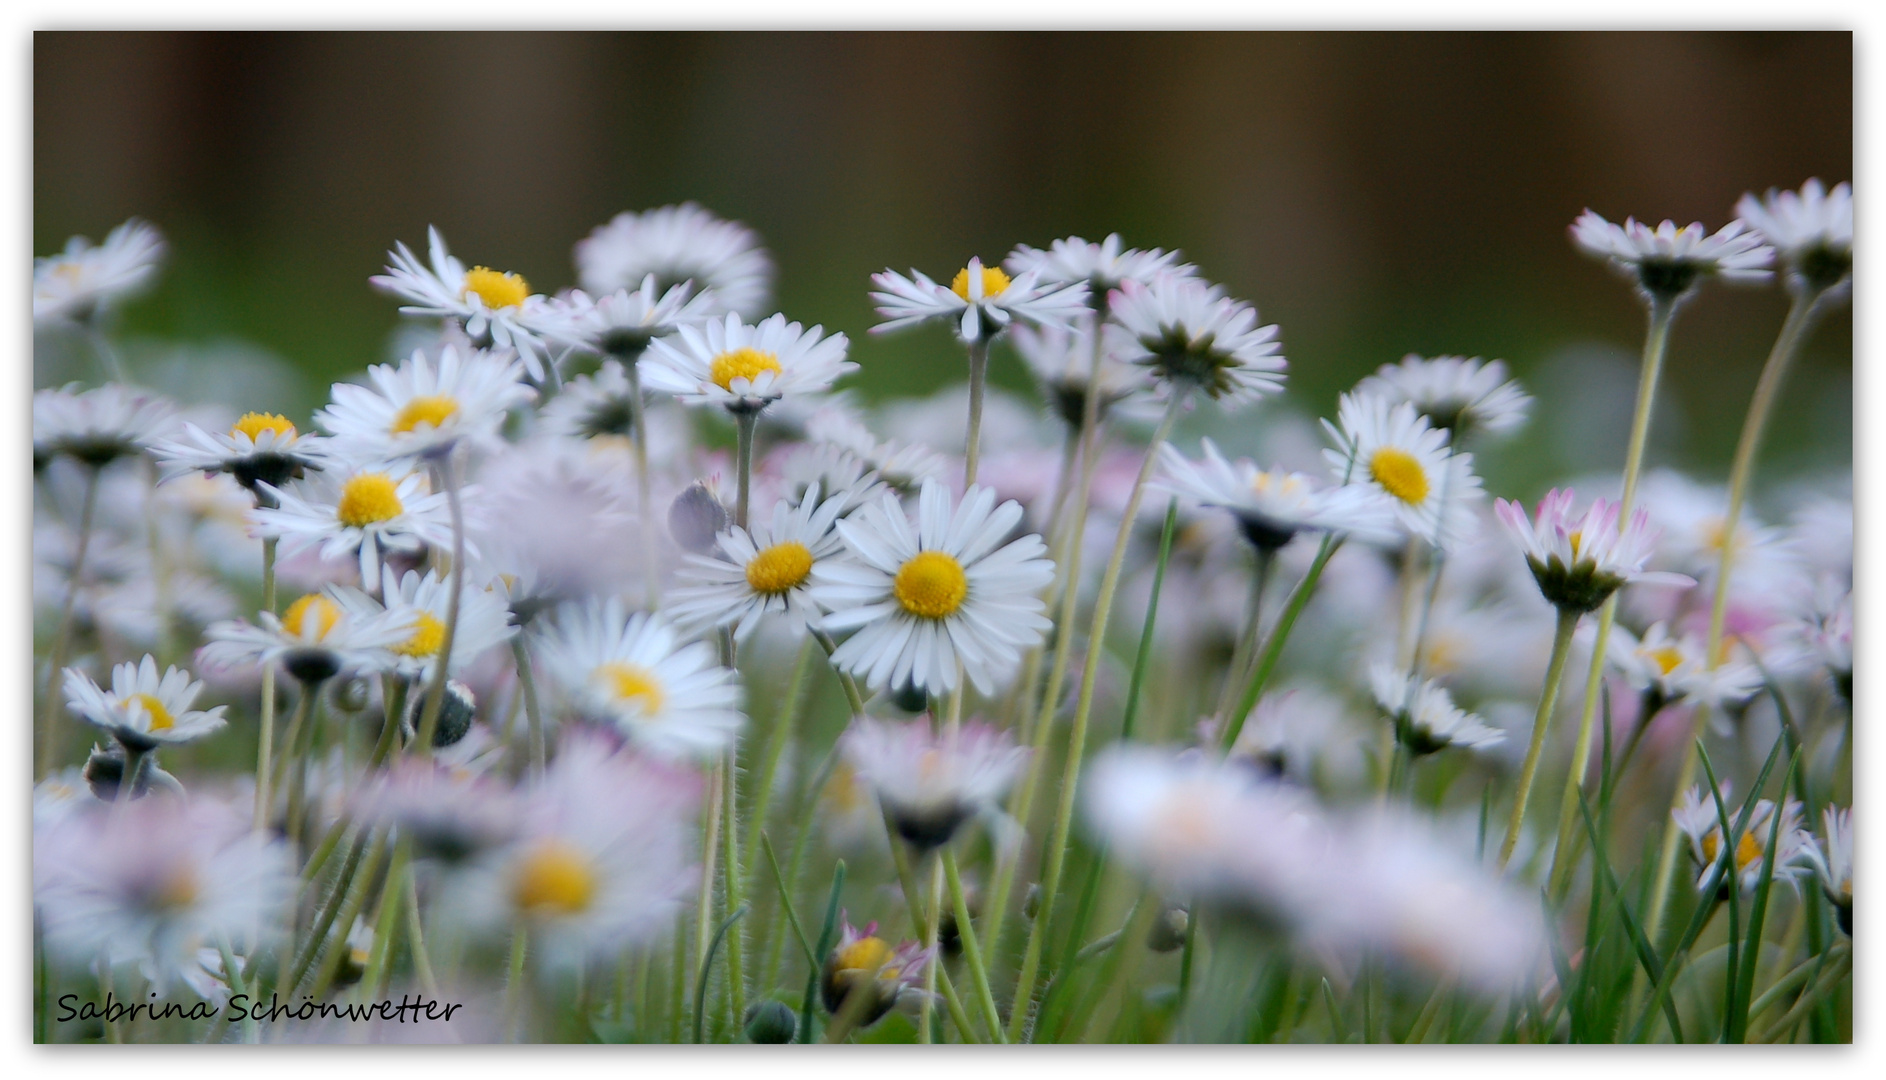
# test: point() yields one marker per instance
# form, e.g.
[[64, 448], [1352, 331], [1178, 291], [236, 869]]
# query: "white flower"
[[422, 410], [903, 466], [1426, 718], [1273, 506], [259, 448], [623, 322], [81, 279], [1101, 266], [1696, 814], [679, 244], [1062, 361], [143, 710], [423, 603], [542, 508], [1668, 262], [929, 595], [1834, 865], [1390, 448], [1192, 336], [1580, 561], [764, 571], [596, 409], [367, 513], [99, 425], [931, 784], [1454, 393], [670, 699], [314, 640], [979, 303], [1812, 230], [746, 368], [1677, 669], [494, 306]]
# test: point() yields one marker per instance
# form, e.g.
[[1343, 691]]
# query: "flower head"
[[422, 409], [1812, 231], [1426, 718], [864, 963], [314, 640], [1273, 506], [930, 784], [99, 425], [1699, 817], [495, 307], [1667, 262], [143, 710], [1191, 336], [366, 513], [620, 324], [424, 604], [1675, 669], [745, 368], [1390, 448], [1455, 394], [1101, 266], [979, 302], [1579, 562], [260, 448], [1834, 864], [766, 570], [83, 278], [1062, 362], [677, 245]]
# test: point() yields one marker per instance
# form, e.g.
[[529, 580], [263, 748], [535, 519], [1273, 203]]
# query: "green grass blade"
[[825, 946]]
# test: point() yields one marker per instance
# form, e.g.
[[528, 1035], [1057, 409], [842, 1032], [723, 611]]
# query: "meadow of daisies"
[[602, 670]]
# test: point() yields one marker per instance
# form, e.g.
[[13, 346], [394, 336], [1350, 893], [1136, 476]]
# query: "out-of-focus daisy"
[[931, 784], [904, 466], [1062, 362], [1696, 815], [85, 278], [100, 425], [622, 323], [1812, 231], [143, 710], [928, 595], [1191, 336], [767, 570], [154, 886], [1834, 865], [1101, 266], [261, 448], [1667, 262], [365, 513], [1273, 506], [745, 368], [864, 963], [424, 603], [1426, 719], [492, 305], [452, 817], [1580, 561], [423, 410], [1455, 394], [1390, 448], [314, 640], [541, 510], [676, 245], [1674, 668], [979, 302], [668, 698]]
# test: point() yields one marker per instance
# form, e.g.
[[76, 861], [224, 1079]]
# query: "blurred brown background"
[[1373, 193]]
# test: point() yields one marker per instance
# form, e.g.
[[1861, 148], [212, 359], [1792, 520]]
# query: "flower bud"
[[770, 1022], [696, 517], [456, 712], [1031, 902], [1168, 929]]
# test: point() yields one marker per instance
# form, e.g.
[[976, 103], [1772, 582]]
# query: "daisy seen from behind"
[[930, 784], [1192, 337], [1272, 506], [1812, 231], [1456, 394], [86, 278], [676, 245], [1668, 263]]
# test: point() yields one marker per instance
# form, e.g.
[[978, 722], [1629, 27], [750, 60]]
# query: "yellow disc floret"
[[431, 411], [428, 636], [1747, 850], [495, 288], [255, 423], [1665, 658], [177, 891], [1400, 474], [367, 499], [779, 568], [743, 363], [633, 683], [994, 281], [554, 879], [161, 720], [323, 611], [867, 954], [932, 584]]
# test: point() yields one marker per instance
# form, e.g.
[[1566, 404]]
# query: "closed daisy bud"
[[456, 713], [696, 517], [1167, 932], [771, 1022]]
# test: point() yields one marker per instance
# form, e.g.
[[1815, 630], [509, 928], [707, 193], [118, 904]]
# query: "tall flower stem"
[[972, 952], [784, 723], [266, 737], [743, 423], [978, 377], [1274, 644], [1548, 701], [62, 637], [1802, 313], [1247, 640], [435, 694], [527, 686], [638, 423], [1077, 731]]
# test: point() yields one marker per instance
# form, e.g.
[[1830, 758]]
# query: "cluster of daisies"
[[560, 663]]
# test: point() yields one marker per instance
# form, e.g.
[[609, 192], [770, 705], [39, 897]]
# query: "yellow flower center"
[[1747, 850], [1665, 658], [744, 363], [368, 498], [993, 282], [779, 568], [1399, 474], [431, 411], [161, 720], [495, 288], [632, 682], [867, 954], [428, 636], [554, 879], [932, 584], [178, 890], [255, 423], [314, 606]]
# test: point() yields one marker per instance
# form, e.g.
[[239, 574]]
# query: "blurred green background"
[[1373, 193]]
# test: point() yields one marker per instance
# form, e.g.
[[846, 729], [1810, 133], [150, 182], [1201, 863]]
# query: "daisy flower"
[[314, 640], [676, 245], [861, 955], [83, 278], [419, 410], [1812, 231], [1191, 336], [143, 710], [260, 448], [1455, 394], [100, 425], [1062, 360], [366, 513], [423, 603], [1674, 669], [746, 367], [1390, 448], [492, 305], [1426, 718], [929, 595], [622, 323], [452, 816], [1834, 865], [671, 699], [979, 302], [1579, 562], [541, 509], [931, 784], [902, 466], [1102, 267], [1667, 262], [1696, 815], [1273, 506], [764, 571]]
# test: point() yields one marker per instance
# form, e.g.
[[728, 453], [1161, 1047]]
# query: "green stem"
[[533, 713], [853, 697], [435, 694], [978, 376], [743, 422], [707, 961], [783, 724], [514, 978], [62, 637], [638, 422], [1548, 700], [1274, 645], [267, 732], [733, 885], [1247, 638], [827, 931], [972, 952]]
